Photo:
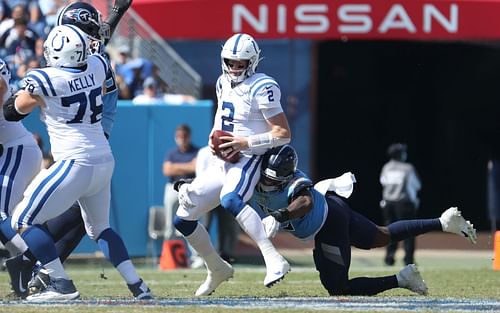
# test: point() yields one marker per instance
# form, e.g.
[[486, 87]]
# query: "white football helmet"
[[66, 46], [240, 47]]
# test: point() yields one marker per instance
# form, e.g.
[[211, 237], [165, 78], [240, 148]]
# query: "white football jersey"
[[11, 133], [244, 109], [72, 108]]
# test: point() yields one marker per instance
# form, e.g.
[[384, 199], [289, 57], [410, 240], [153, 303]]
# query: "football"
[[222, 154]]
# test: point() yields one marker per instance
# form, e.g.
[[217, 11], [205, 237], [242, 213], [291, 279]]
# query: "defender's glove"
[[271, 225], [117, 12], [282, 215]]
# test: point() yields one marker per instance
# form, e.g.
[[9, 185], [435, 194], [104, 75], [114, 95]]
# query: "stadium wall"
[[140, 138]]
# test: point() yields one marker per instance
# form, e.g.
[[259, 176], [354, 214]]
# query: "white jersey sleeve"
[[267, 94]]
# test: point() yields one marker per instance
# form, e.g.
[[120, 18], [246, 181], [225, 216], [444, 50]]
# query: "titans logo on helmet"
[[81, 15]]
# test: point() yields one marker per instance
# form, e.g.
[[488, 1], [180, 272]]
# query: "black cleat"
[[20, 274], [140, 291]]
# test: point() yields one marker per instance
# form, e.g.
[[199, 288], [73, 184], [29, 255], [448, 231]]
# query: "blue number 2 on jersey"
[[227, 124], [82, 99]]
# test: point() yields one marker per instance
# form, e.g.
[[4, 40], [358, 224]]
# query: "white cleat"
[[409, 278], [214, 279], [276, 272], [452, 221]]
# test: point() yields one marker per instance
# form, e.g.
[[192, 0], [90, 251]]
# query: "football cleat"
[[140, 290], [59, 289], [452, 221], [214, 278], [409, 278], [276, 272], [20, 274], [39, 282]]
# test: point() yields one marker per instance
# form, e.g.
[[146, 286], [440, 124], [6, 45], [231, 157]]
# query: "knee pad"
[[184, 226], [233, 203]]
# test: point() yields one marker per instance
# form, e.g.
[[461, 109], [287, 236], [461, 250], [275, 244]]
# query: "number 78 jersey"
[[72, 108], [244, 109]]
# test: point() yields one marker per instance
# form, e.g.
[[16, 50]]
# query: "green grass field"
[[454, 276]]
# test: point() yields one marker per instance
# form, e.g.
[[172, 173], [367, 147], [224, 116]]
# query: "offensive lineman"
[[249, 108], [69, 92], [293, 204]]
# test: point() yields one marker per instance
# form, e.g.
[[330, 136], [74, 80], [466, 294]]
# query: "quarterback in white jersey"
[[69, 93], [249, 109]]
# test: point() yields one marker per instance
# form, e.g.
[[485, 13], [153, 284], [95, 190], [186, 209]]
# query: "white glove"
[[271, 225], [183, 197]]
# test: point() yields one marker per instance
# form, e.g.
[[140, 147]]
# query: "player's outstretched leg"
[[218, 270], [452, 221], [409, 277]]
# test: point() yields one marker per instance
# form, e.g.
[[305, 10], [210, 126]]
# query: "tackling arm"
[[301, 204]]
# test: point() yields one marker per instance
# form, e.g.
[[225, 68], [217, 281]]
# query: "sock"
[[40, 244], [251, 223], [410, 228], [10, 238], [113, 247], [115, 251], [128, 272], [200, 241]]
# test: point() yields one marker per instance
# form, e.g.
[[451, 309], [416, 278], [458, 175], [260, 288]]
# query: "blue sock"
[[233, 203], [40, 244], [113, 247], [7, 233], [410, 228]]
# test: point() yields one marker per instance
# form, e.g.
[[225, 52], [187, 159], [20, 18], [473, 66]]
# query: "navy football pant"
[[344, 228]]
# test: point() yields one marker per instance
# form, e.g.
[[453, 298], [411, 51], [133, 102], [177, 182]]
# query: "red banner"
[[371, 19]]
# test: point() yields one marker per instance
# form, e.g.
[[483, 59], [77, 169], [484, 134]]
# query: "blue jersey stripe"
[[13, 173], [39, 83], [235, 48], [252, 176], [47, 78], [243, 174], [2, 174], [51, 189]]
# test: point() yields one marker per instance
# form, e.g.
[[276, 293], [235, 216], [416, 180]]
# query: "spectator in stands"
[[179, 163], [149, 93], [19, 38]]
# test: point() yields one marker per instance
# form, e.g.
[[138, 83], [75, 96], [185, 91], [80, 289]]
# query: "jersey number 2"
[[82, 99], [227, 120]]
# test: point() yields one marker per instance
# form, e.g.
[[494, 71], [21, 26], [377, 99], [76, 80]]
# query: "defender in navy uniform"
[[291, 202]]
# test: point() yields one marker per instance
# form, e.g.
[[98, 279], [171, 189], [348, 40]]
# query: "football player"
[[291, 202], [69, 93], [20, 161], [249, 108]]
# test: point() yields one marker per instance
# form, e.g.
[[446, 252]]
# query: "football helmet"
[[240, 47], [84, 16], [279, 165], [66, 46]]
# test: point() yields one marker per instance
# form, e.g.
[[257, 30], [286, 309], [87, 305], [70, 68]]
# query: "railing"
[[143, 42]]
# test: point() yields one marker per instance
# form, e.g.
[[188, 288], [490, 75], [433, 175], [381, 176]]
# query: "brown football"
[[217, 141]]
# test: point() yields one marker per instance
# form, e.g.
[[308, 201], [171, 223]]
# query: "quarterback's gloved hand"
[[178, 183], [271, 225]]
